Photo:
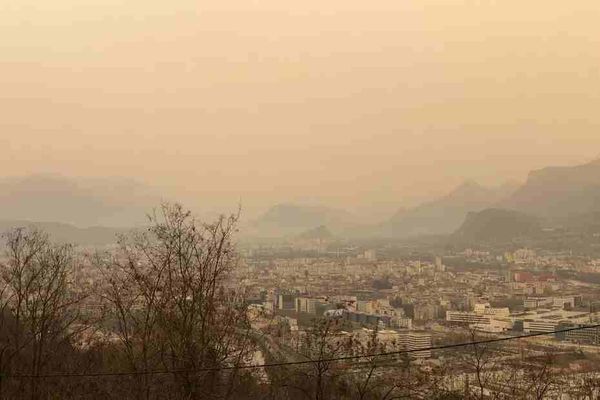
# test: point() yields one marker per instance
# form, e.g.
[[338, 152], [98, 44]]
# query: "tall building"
[[307, 305], [286, 302], [413, 340], [583, 336], [439, 265]]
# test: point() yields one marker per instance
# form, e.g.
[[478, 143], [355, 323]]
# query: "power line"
[[303, 362]]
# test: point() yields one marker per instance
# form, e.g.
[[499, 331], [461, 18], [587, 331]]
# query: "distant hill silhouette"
[[559, 196], [65, 233], [80, 202], [446, 214], [292, 219], [497, 224], [318, 233], [556, 193], [566, 197]]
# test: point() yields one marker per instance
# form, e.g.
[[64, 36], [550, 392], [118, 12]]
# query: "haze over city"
[[388, 104], [310, 200]]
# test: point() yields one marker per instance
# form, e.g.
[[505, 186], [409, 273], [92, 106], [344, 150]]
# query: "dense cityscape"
[[185, 306], [299, 200]]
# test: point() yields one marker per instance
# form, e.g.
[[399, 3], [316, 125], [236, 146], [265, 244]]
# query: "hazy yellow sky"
[[342, 102]]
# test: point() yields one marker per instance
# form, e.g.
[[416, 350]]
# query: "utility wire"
[[303, 362]]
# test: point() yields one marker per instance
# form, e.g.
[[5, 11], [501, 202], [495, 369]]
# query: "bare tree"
[[365, 386], [541, 377], [166, 287], [39, 308], [320, 378], [589, 387]]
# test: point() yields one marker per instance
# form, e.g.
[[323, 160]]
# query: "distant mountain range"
[[441, 216], [496, 224], [80, 202], [65, 233], [556, 193], [293, 219], [318, 233], [566, 197], [446, 214], [555, 196]]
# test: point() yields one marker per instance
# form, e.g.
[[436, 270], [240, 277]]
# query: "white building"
[[413, 340], [465, 317]]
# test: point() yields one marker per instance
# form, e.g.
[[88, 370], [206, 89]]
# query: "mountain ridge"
[[559, 192], [497, 224], [285, 219], [445, 214], [67, 233], [77, 201]]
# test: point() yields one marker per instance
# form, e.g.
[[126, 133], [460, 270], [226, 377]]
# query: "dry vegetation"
[[165, 327]]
